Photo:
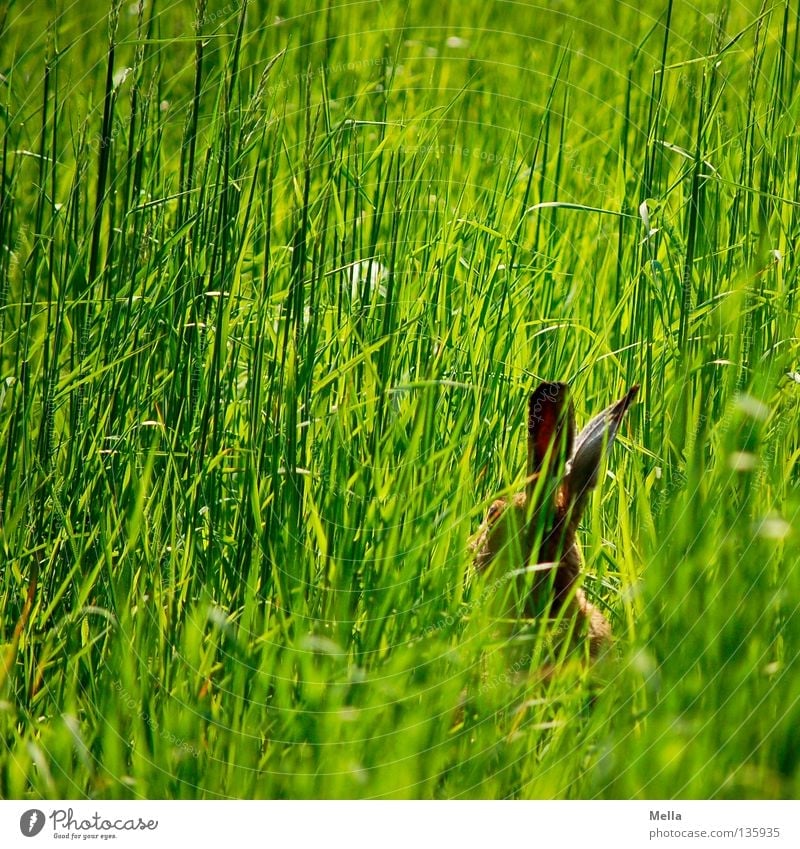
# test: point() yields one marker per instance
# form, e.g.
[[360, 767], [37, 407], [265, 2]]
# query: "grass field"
[[275, 285]]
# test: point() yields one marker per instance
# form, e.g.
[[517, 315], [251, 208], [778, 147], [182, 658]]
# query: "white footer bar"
[[401, 825]]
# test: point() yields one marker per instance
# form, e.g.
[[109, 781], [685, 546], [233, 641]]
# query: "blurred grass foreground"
[[276, 280]]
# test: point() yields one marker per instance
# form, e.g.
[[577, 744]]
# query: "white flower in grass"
[[772, 526], [121, 76], [367, 273], [742, 461], [456, 43], [752, 407]]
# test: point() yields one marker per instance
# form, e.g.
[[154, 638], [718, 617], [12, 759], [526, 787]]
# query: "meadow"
[[276, 282]]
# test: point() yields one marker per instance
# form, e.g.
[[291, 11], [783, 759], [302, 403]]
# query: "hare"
[[533, 532]]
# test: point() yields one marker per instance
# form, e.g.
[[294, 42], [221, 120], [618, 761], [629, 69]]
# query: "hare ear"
[[551, 422], [592, 444]]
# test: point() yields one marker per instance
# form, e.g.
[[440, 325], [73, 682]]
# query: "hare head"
[[533, 532]]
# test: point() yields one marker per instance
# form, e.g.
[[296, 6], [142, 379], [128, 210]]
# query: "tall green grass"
[[275, 283]]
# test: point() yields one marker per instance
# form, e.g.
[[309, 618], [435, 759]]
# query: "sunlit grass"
[[274, 290]]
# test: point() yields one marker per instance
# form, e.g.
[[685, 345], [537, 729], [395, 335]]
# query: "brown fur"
[[512, 534]]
